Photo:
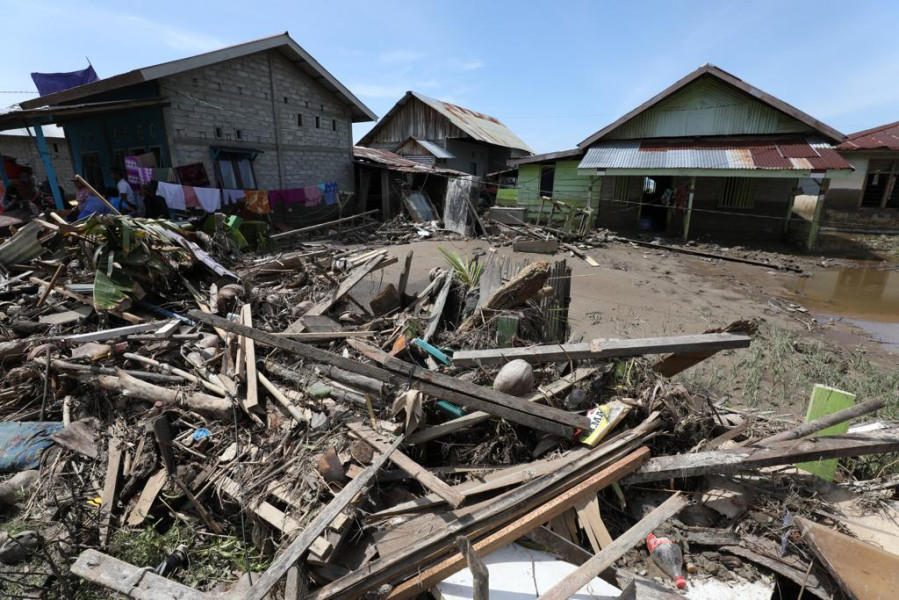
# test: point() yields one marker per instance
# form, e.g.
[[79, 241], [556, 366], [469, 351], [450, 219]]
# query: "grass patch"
[[780, 367], [212, 560]]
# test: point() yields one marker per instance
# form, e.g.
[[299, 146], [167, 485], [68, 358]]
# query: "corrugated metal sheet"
[[22, 247], [710, 154], [436, 150], [479, 126], [50, 131], [885, 137], [394, 162]]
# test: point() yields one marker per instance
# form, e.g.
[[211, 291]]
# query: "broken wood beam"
[[778, 453], [568, 587], [479, 573], [563, 547], [419, 473], [691, 252], [110, 486], [316, 527], [249, 357], [824, 422], [515, 292], [127, 579], [424, 580], [131, 387], [309, 228], [602, 349]]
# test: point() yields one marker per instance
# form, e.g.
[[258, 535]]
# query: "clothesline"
[[184, 197]]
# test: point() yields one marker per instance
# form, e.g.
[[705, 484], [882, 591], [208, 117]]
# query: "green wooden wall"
[[568, 186]]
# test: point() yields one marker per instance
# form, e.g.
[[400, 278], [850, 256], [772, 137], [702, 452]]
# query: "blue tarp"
[[21, 444], [49, 83]]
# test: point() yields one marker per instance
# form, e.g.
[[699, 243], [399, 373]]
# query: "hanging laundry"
[[257, 201], [209, 198], [173, 194], [166, 174], [232, 196], [330, 193], [190, 197], [313, 195], [680, 198], [287, 197]]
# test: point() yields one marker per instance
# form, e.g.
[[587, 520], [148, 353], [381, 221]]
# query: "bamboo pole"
[[91, 189]]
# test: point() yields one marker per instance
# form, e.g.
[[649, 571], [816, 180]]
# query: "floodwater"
[[866, 297]]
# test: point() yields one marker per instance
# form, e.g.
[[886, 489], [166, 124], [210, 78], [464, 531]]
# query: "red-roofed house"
[[869, 199]]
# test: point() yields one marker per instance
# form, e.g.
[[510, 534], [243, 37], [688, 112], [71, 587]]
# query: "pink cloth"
[[190, 197]]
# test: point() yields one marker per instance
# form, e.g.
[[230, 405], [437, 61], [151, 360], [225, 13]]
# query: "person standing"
[[130, 202]]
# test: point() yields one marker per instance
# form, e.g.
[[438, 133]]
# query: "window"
[[333, 124], [473, 168], [649, 185], [92, 169], [285, 99], [238, 133], [55, 147], [234, 170], [318, 122], [621, 187], [880, 185], [218, 132], [299, 120], [547, 180], [737, 193]]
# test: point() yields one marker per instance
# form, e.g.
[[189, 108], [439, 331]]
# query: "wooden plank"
[[419, 473], [603, 349], [252, 399], [590, 518], [813, 585], [862, 570], [780, 453], [452, 383], [324, 336], [132, 581], [110, 486], [439, 305], [482, 402], [316, 527], [147, 498], [550, 246], [824, 422], [117, 332], [564, 548], [266, 511], [404, 276], [581, 254], [825, 401], [580, 577], [333, 297], [424, 580], [544, 393]]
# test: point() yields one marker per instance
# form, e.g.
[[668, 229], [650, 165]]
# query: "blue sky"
[[554, 72]]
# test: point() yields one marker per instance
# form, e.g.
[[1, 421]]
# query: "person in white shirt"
[[129, 199]]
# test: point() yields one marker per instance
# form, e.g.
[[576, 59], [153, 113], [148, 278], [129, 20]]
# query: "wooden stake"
[[250, 358], [50, 285]]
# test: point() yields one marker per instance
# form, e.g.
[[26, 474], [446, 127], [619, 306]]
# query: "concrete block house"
[[710, 155], [259, 115], [437, 133], [869, 199]]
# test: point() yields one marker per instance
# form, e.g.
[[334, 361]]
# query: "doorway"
[[653, 211]]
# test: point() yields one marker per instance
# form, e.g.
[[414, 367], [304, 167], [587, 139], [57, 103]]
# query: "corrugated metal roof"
[[436, 150], [713, 154], [22, 247], [50, 131], [885, 137], [395, 162], [478, 125]]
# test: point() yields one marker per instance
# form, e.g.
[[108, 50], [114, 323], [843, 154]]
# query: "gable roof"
[[722, 75], [281, 42], [479, 126], [885, 137]]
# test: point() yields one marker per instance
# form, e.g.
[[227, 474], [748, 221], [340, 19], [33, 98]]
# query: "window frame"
[[238, 172], [737, 194], [890, 190]]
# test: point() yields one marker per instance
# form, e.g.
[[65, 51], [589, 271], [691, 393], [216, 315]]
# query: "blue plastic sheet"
[[21, 444]]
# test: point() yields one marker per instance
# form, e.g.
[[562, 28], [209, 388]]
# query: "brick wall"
[[25, 148], [243, 102]]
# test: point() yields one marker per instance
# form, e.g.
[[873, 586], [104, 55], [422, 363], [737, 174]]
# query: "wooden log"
[[779, 453], [471, 419], [146, 499], [249, 346], [131, 387], [353, 380], [580, 577], [132, 581], [316, 527], [300, 415], [419, 473], [602, 349], [424, 580], [479, 573], [482, 399], [516, 292], [824, 422], [174, 371]]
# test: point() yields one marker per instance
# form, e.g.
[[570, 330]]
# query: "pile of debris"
[[168, 405]]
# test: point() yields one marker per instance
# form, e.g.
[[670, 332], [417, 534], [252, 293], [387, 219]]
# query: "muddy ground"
[[846, 336]]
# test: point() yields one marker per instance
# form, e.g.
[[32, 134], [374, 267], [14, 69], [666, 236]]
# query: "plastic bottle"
[[668, 556]]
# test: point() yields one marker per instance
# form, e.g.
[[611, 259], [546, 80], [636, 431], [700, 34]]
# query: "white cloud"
[[379, 91], [471, 65], [401, 56]]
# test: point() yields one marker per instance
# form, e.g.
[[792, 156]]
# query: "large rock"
[[18, 487], [515, 378], [19, 547]]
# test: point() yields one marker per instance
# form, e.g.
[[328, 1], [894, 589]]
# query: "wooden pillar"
[[689, 208], [790, 205], [385, 194], [44, 151], [364, 182], [816, 220]]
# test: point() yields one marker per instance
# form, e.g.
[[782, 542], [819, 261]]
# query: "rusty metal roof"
[[478, 125], [758, 154], [885, 137], [395, 162]]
